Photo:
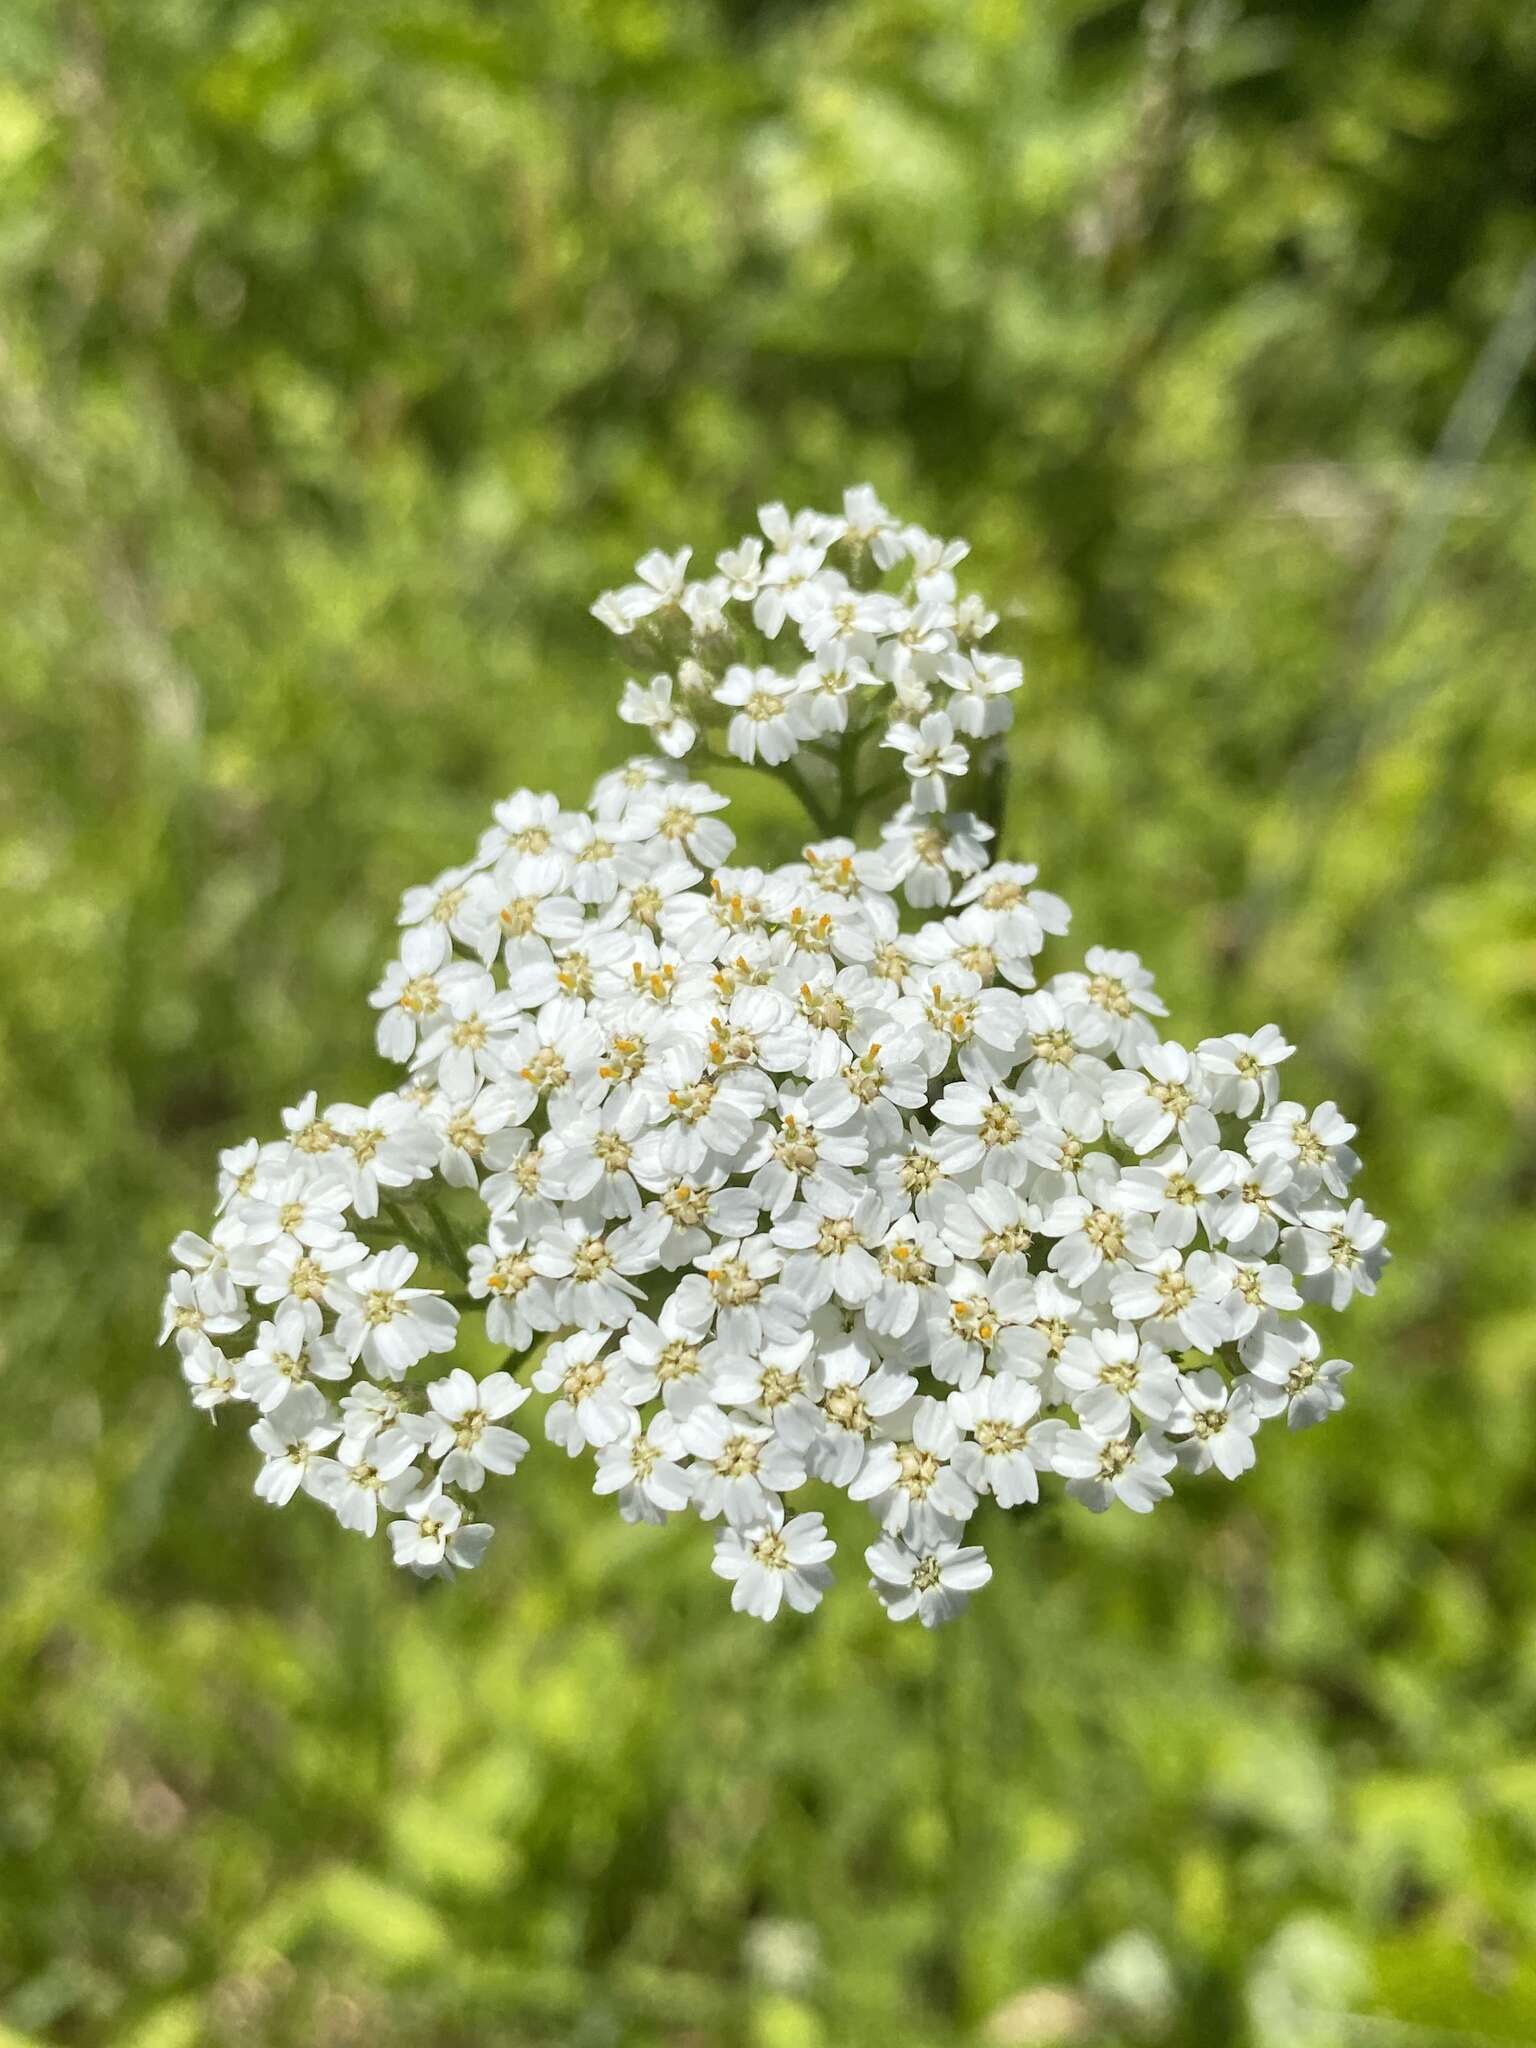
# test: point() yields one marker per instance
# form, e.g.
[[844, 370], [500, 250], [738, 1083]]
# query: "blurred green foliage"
[[345, 352]]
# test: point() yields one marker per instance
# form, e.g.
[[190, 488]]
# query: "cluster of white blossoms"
[[761, 1188], [900, 668]]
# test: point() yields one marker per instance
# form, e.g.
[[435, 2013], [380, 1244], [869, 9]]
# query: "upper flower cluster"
[[827, 631], [762, 1188]]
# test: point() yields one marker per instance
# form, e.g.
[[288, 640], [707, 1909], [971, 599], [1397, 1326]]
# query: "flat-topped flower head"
[[769, 1180]]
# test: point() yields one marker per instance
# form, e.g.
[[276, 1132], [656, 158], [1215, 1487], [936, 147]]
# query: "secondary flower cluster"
[[760, 1189], [883, 648]]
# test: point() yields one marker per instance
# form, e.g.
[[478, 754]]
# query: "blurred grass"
[[344, 355]]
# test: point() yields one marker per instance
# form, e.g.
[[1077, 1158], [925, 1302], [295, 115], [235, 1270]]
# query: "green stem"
[[407, 1233], [455, 1254], [992, 793], [848, 802], [795, 777], [788, 773]]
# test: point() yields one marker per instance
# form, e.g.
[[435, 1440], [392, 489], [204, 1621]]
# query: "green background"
[[346, 352]]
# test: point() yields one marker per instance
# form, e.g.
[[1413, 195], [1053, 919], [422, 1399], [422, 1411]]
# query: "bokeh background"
[[346, 351]]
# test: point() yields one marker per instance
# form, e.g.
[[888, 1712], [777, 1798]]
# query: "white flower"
[[1018, 916], [1095, 1227], [642, 1469], [913, 1260], [1249, 1215], [525, 822], [829, 1236], [1001, 1455], [867, 524], [778, 1385], [1287, 1374], [734, 1291], [441, 901], [590, 1151], [614, 794], [1185, 1189], [1166, 1100], [660, 587], [955, 1018], [1338, 1252], [466, 1435], [289, 1271], [923, 852], [771, 717], [879, 1070], [290, 1351], [985, 1128], [210, 1375], [1184, 1298], [595, 1404], [1316, 1146], [525, 897], [468, 1043], [980, 686], [825, 685], [805, 1133], [204, 1306], [1256, 1288], [684, 815], [240, 1169], [591, 1263], [520, 1193], [933, 1582], [740, 1467], [776, 1562], [311, 1212], [742, 567], [1101, 1469], [602, 856], [1066, 1131], [859, 1395], [987, 1223], [913, 1485], [431, 1532], [369, 1473], [932, 758], [1243, 1068], [468, 1132], [553, 1053], [384, 1322], [983, 1323], [519, 1301], [291, 1459], [707, 1114], [1220, 1420], [670, 1350], [388, 1145], [411, 993], [1109, 1372], [651, 705], [1109, 1003]]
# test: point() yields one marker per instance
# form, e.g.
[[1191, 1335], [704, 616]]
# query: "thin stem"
[[892, 786], [795, 777], [448, 1243], [992, 796], [436, 1246], [788, 773], [407, 1232], [848, 802]]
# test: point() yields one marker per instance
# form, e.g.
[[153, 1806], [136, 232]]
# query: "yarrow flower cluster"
[[761, 1183]]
